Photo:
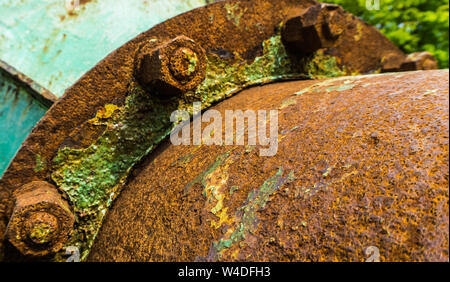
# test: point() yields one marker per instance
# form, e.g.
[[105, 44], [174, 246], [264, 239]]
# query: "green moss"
[[92, 177]]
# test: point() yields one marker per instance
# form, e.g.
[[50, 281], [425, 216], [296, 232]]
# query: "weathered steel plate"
[[362, 162]]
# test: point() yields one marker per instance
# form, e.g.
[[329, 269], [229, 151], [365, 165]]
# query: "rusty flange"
[[117, 113], [362, 165]]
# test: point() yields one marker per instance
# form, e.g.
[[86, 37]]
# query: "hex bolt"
[[41, 221], [171, 68], [419, 61], [395, 62], [392, 62], [303, 33]]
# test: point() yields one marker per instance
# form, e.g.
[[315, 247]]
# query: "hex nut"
[[315, 28], [41, 221], [171, 68], [392, 62], [333, 24], [419, 61], [302, 33]]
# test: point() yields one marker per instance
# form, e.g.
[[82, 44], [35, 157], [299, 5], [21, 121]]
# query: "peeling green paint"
[[93, 177], [340, 88], [200, 179], [233, 189], [234, 13], [287, 102], [323, 66], [214, 180], [349, 82], [40, 164], [247, 217], [225, 78]]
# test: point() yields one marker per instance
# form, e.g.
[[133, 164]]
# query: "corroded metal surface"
[[362, 162], [90, 140]]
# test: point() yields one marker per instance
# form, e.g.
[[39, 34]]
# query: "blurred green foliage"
[[413, 25]]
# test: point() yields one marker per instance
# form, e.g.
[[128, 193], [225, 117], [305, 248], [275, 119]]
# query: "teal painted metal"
[[22, 104], [55, 44]]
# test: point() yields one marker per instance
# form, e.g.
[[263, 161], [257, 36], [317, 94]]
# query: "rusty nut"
[[171, 68], [315, 28], [302, 33], [41, 221], [419, 61], [392, 62]]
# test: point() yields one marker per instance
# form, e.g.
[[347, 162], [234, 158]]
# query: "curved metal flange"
[[89, 141]]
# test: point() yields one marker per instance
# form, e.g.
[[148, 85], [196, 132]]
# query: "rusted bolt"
[[171, 68], [315, 28], [419, 61], [392, 62], [303, 33], [41, 221]]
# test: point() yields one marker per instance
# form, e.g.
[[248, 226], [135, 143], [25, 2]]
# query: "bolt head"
[[392, 62], [41, 221], [312, 30], [419, 61], [172, 68]]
